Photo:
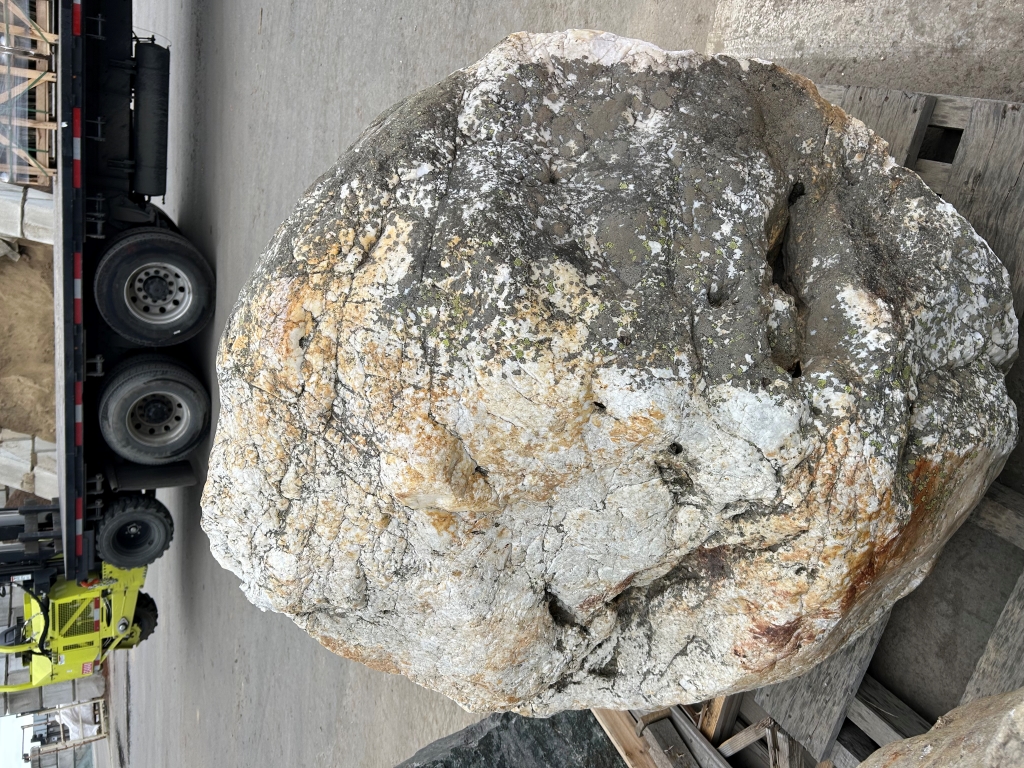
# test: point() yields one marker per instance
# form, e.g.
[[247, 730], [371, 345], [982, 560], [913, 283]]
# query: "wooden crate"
[[28, 94]]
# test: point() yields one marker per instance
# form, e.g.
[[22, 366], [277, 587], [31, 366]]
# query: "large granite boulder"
[[604, 375], [986, 733]]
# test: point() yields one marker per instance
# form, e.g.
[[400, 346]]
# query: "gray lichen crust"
[[601, 375]]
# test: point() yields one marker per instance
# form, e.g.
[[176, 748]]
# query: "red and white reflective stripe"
[[76, 18], [78, 288], [79, 413], [96, 614], [76, 146], [78, 526]]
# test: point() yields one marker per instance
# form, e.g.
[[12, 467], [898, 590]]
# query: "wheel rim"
[[158, 418], [133, 537], [158, 293]]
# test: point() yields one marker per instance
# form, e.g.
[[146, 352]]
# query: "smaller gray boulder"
[[572, 739], [987, 733]]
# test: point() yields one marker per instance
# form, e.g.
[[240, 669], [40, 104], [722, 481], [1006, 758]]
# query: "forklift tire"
[[145, 616], [153, 411], [134, 532], [154, 288]]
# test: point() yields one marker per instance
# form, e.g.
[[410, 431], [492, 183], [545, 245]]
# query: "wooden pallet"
[[971, 152], [28, 94]]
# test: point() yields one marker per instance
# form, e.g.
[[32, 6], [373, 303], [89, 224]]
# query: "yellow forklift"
[[70, 627]]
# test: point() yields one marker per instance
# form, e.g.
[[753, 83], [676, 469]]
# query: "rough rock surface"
[[987, 733], [600, 375], [568, 739]]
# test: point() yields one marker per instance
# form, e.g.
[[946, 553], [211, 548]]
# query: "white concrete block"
[[24, 701], [91, 687], [46, 457], [13, 473], [58, 693], [12, 198], [45, 446], [38, 220], [46, 483]]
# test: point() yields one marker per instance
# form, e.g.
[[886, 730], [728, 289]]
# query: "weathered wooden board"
[[811, 708], [1001, 667], [852, 746], [1001, 512], [746, 737], [779, 755], [665, 739], [934, 174], [718, 717], [901, 118], [952, 111], [619, 727], [882, 715], [986, 183], [699, 747]]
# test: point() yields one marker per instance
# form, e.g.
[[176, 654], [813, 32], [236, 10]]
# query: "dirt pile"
[[26, 353]]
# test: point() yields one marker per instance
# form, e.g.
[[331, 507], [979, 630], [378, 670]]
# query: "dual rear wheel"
[[154, 289]]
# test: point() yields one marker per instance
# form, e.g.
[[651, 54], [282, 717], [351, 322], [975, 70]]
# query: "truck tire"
[[154, 288], [153, 411], [145, 616], [134, 532]]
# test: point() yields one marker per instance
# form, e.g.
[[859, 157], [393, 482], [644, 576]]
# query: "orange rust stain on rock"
[[373, 661], [638, 427], [443, 522], [931, 484]]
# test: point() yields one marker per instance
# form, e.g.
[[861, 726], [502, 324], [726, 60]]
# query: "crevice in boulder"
[[788, 342], [561, 613]]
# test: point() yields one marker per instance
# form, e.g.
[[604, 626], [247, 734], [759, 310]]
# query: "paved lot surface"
[[264, 99]]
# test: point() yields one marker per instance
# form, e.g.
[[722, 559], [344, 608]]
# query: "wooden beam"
[[15, 30], [619, 727], [27, 73], [778, 748], [644, 719], [882, 715], [899, 117], [952, 111], [29, 160], [985, 184], [27, 20], [699, 747], [24, 122], [934, 174], [746, 737], [811, 708], [23, 86], [718, 717], [1001, 666], [1001, 511], [666, 742]]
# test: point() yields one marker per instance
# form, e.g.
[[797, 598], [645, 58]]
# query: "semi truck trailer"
[[84, 112]]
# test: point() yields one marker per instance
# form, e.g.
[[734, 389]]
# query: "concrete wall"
[[933, 46], [29, 463]]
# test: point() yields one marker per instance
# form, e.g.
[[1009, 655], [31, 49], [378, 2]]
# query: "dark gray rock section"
[[571, 739]]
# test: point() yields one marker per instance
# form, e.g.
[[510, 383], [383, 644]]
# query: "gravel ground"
[[264, 98]]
